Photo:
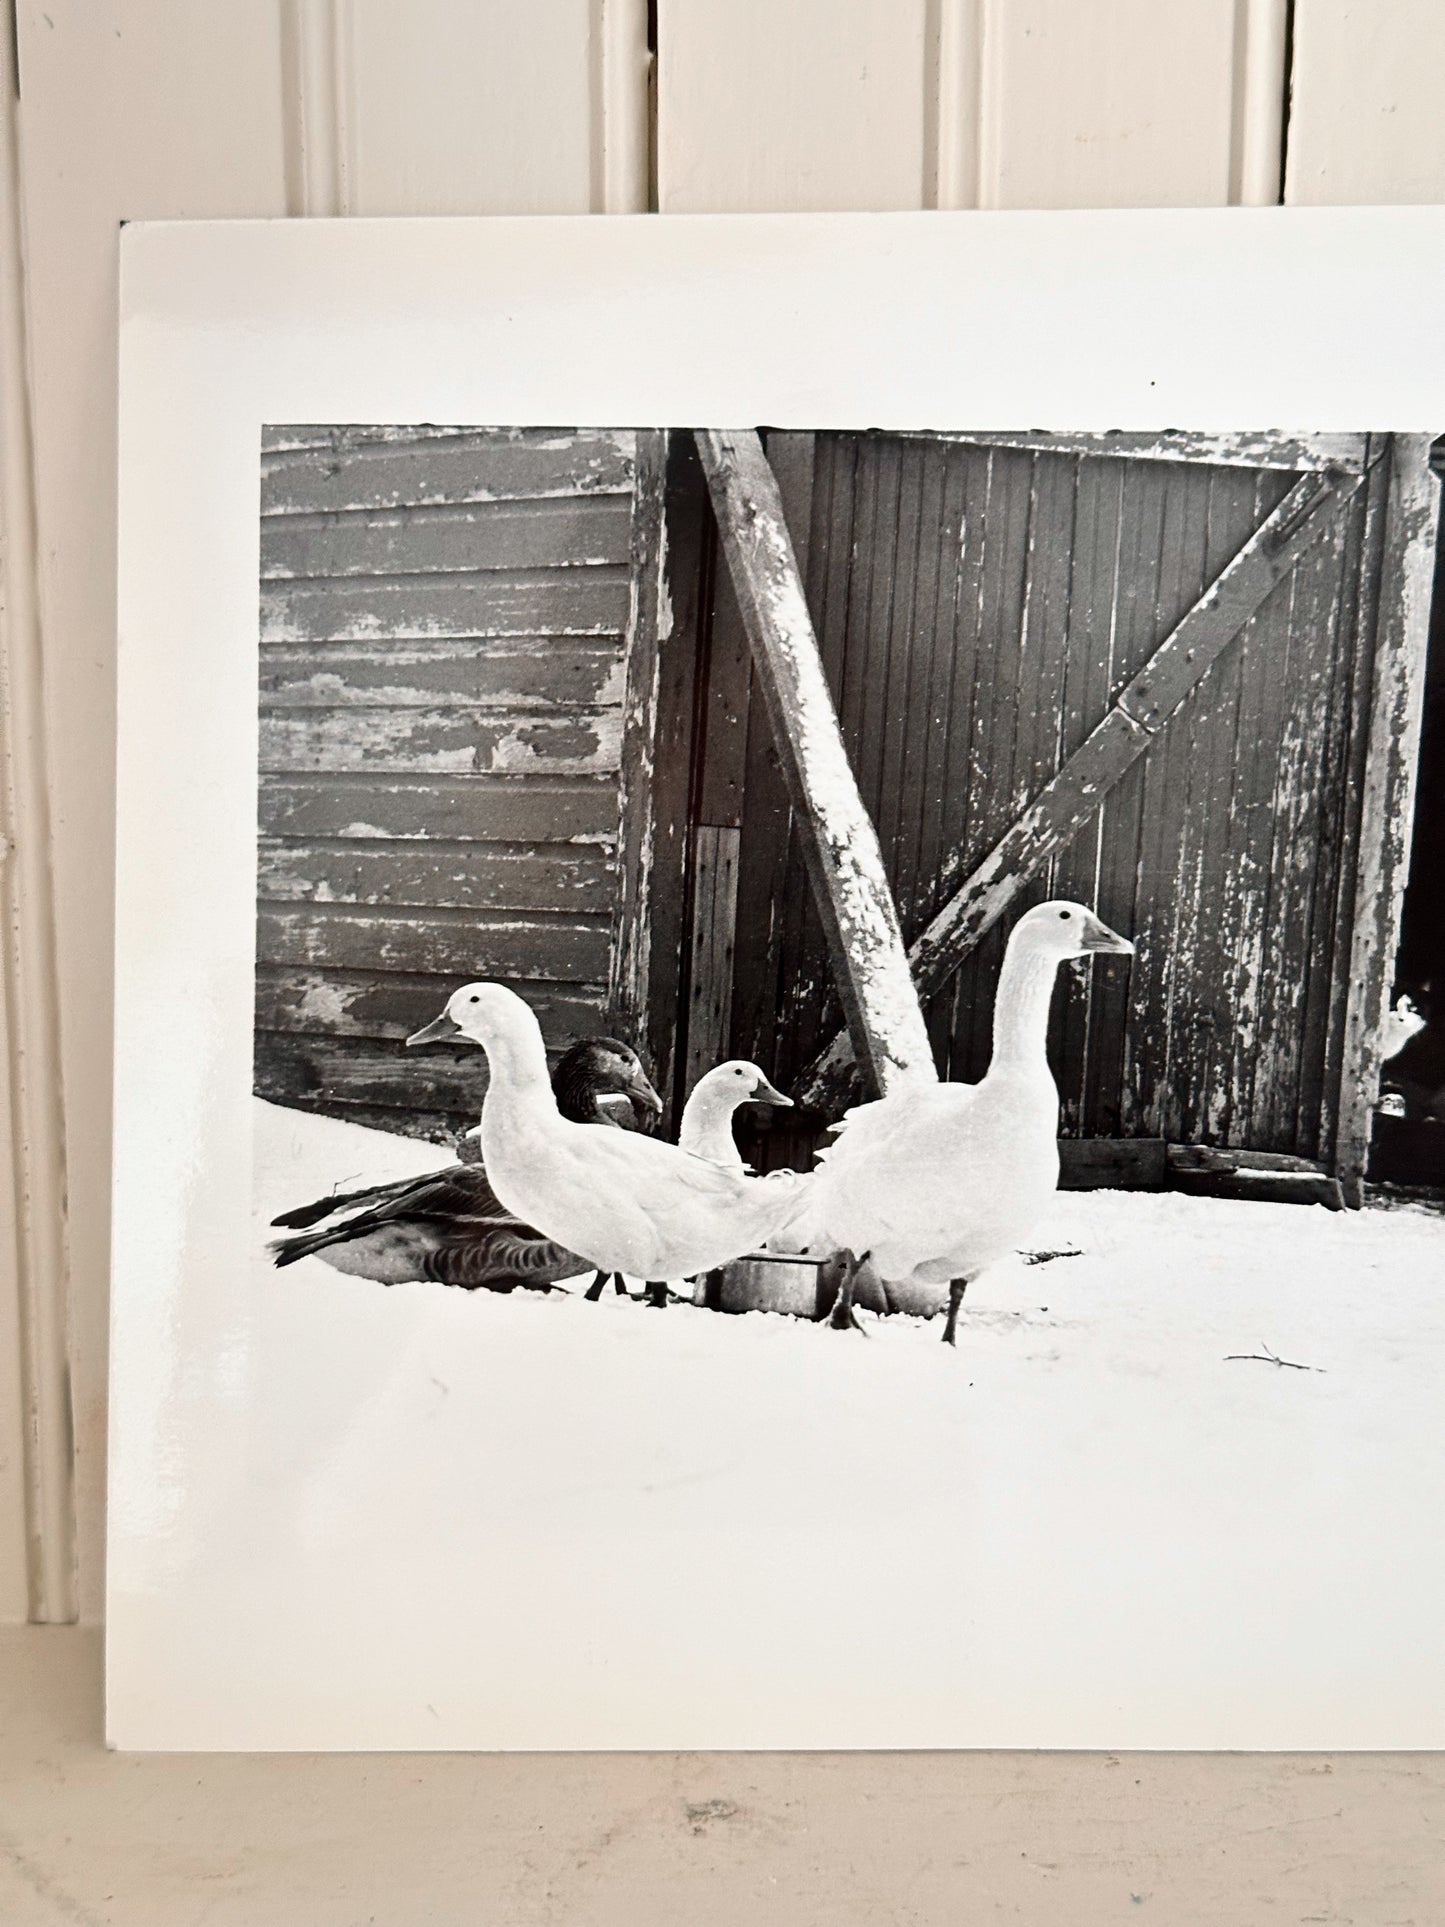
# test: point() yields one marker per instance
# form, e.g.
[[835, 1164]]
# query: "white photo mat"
[[293, 1561]]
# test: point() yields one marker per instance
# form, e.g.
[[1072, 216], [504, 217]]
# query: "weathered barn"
[[516, 719], [446, 618]]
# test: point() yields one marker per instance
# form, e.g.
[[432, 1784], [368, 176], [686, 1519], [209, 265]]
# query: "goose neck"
[[517, 1062], [709, 1114], [1021, 1013]]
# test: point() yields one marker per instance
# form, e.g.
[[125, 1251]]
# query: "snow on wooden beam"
[[1137, 715], [840, 844], [1294, 453]]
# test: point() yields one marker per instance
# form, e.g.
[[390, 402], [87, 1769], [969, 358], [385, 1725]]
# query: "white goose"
[[937, 1182], [626, 1203], [707, 1117], [706, 1131]]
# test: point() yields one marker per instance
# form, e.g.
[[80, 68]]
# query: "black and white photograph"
[[806, 1108], [769, 775], [899, 887]]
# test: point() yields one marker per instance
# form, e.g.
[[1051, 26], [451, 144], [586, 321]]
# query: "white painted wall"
[[145, 108]]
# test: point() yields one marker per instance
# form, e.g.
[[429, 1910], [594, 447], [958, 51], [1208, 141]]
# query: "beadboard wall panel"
[[963, 103], [763, 108], [446, 108], [1111, 103], [1365, 117]]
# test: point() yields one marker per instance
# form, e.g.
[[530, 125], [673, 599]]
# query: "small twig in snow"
[[1047, 1257], [1267, 1357]]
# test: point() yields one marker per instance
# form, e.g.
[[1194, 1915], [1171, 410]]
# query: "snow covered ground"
[[421, 1518]]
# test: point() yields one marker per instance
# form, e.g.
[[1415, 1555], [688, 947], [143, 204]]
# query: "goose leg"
[[956, 1288], [656, 1293], [619, 1284], [594, 1290], [842, 1317]]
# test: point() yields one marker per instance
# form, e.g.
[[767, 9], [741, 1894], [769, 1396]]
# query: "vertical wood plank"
[[1354, 759], [714, 941], [1329, 936], [681, 597], [1365, 123], [810, 105], [1388, 806], [631, 983]]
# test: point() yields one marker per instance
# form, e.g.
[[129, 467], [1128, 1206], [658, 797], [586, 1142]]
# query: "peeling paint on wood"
[[1227, 851], [347, 1070], [452, 741], [456, 876], [503, 809], [1388, 805], [550, 602], [394, 1003], [633, 989], [457, 945], [449, 618], [535, 672], [1138, 713], [367, 469], [567, 533], [1294, 453]]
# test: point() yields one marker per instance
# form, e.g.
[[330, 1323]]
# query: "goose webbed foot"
[[843, 1318], [956, 1288], [599, 1284]]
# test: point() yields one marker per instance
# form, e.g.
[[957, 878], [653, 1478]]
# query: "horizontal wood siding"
[[444, 638], [979, 608]]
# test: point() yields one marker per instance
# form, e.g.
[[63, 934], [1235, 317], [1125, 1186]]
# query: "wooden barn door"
[[458, 642], [1137, 671]]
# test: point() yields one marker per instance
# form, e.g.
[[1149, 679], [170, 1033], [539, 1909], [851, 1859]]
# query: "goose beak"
[[441, 1030], [638, 1086], [766, 1093], [1098, 936]]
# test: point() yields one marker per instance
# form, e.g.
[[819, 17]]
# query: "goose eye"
[[474, 1000], [1064, 915]]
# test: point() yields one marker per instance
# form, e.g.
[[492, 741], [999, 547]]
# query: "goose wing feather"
[[632, 1204]]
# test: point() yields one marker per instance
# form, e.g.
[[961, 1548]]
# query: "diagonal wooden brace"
[[840, 844]]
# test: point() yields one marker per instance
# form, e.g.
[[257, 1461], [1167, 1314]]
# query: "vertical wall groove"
[[1257, 133], [957, 114], [624, 125], [35, 1172], [316, 81]]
